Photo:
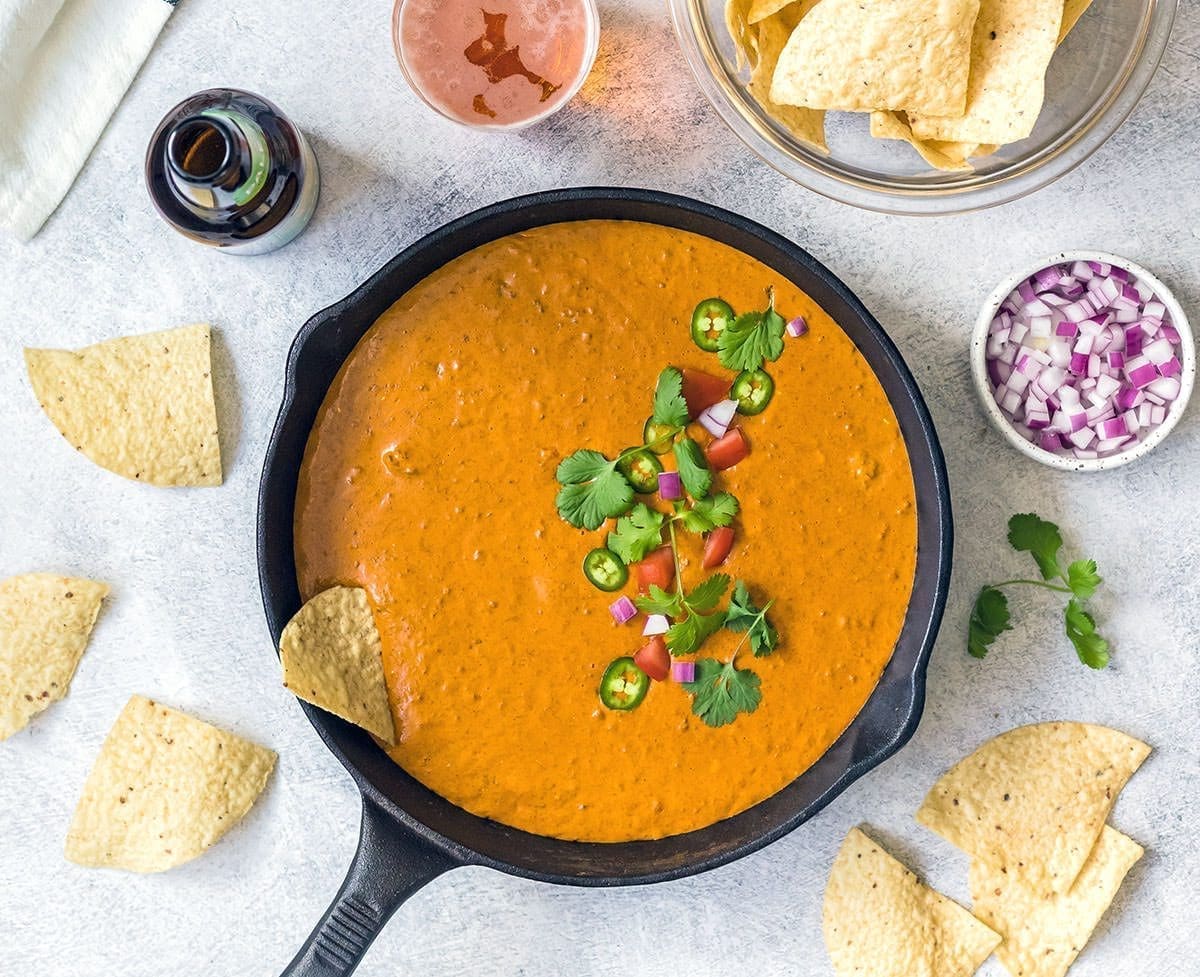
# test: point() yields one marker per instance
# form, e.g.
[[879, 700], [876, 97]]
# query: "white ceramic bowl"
[[983, 387]]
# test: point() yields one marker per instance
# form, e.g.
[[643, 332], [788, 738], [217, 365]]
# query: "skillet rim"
[[692, 855]]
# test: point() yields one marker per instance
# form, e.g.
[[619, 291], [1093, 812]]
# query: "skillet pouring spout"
[[388, 867]]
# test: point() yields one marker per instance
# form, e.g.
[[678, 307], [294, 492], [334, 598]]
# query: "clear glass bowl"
[[1094, 82]]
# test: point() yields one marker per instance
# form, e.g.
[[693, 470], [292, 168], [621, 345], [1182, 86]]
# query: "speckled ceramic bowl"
[[983, 386]]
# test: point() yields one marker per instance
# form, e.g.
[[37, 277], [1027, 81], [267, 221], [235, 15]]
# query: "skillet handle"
[[388, 867]]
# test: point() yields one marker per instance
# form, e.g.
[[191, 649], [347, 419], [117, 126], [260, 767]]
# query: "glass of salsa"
[[495, 64]]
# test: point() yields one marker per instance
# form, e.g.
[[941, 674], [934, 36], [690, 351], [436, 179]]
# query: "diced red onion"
[[656, 624], [797, 327], [1083, 359], [623, 610], [717, 418], [1165, 387], [1142, 374], [683, 671], [670, 486]]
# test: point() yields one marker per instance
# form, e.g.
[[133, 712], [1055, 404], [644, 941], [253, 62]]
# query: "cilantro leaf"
[[685, 637], [659, 601], [705, 515], [592, 489], [582, 466], [744, 615], [637, 533], [1081, 629], [989, 619], [693, 468], [669, 406], [704, 598], [1083, 579], [752, 337], [1028, 533], [721, 692]]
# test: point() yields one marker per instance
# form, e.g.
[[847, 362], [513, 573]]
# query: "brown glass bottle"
[[228, 169]]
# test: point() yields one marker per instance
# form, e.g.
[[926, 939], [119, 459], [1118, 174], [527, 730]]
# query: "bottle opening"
[[200, 149]]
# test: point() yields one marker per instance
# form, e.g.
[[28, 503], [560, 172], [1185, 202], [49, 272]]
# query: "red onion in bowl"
[[1081, 357]]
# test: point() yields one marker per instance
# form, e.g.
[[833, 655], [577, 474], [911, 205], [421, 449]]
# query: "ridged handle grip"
[[389, 866]]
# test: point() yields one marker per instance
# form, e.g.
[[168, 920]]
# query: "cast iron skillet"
[[410, 835]]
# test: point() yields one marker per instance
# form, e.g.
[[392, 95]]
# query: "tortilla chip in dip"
[[332, 657], [1032, 802], [140, 406], [913, 55], [45, 623], [1012, 45], [1043, 934], [164, 788], [879, 920]]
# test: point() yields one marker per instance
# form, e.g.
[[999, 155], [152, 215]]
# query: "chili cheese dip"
[[432, 479]]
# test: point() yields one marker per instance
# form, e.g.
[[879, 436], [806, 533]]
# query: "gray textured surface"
[[184, 622]]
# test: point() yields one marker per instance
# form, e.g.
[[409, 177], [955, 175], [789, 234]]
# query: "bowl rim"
[[591, 50], [1001, 423], [1118, 100]]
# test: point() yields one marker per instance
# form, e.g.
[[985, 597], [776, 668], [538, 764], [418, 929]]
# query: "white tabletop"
[[184, 622]]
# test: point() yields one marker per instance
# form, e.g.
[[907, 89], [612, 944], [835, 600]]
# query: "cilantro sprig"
[[670, 408], [593, 490], [752, 338], [637, 533], [745, 616], [696, 619], [705, 515], [990, 617], [722, 691], [694, 472]]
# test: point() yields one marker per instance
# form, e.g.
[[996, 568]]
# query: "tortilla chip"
[[45, 623], [888, 54], [762, 9], [807, 125], [758, 45], [1072, 11], [939, 155], [744, 35], [140, 406], [1033, 800], [879, 920], [1042, 936], [164, 788], [332, 657], [1012, 45]]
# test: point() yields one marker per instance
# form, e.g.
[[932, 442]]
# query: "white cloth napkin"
[[64, 67]]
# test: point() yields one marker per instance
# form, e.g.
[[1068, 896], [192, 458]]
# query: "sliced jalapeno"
[[753, 390], [658, 437], [709, 321], [624, 685], [604, 570], [641, 468]]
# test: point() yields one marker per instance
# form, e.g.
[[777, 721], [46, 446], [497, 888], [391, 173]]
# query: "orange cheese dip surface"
[[429, 480]]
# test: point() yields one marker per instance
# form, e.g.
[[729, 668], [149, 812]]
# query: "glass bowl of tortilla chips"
[[923, 106]]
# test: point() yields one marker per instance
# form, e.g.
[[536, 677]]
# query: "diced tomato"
[[727, 450], [717, 547], [658, 568], [654, 659], [701, 390]]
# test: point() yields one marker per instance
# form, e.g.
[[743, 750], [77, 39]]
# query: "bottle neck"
[[217, 159]]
